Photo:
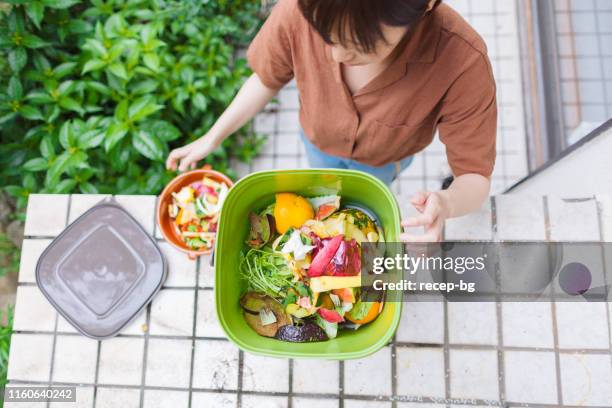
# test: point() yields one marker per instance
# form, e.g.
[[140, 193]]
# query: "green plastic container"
[[255, 192]]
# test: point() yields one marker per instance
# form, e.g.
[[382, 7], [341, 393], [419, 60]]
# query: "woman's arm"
[[251, 99], [466, 194]]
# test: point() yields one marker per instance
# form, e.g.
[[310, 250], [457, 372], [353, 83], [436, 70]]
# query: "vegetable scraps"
[[302, 266], [195, 211]]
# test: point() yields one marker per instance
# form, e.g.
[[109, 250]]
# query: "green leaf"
[[88, 188], [118, 69], [33, 41], [60, 4], [37, 164], [121, 111], [35, 11], [148, 145], [14, 191], [46, 147], [70, 104], [30, 112], [199, 101], [64, 69], [66, 87], [96, 48], [90, 139], [65, 186], [93, 65], [17, 59], [165, 131], [142, 107], [98, 87], [145, 87], [151, 60], [15, 90], [114, 134], [39, 97], [7, 117], [66, 135], [60, 165]]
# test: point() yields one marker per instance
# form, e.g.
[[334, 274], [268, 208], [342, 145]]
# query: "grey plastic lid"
[[101, 270]]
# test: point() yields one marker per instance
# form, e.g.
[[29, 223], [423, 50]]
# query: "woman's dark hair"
[[361, 19]]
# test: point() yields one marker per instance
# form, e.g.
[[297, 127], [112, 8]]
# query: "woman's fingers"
[[189, 161], [173, 158], [433, 233]]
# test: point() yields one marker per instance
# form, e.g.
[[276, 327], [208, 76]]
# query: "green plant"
[[6, 329], [94, 93], [9, 256]]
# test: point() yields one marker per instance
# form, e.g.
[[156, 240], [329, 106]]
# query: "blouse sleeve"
[[269, 55]]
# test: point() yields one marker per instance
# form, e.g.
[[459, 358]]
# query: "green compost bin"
[[255, 192]]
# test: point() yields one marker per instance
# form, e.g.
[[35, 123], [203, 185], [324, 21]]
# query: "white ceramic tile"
[[207, 324], [303, 402], [265, 373], [473, 374], [30, 357], [168, 362], [121, 361], [530, 377], [582, 325], [288, 144], [565, 215], [421, 322], [265, 122], [263, 401], [349, 403], [370, 375], [137, 326], [63, 326], [472, 323], [79, 203], [33, 311], [520, 217], [288, 121], [46, 214], [475, 226], [172, 312], [84, 399], [420, 372], [75, 359], [181, 269], [207, 272], [325, 382], [31, 250], [117, 397], [215, 365], [527, 324], [605, 205], [141, 207], [423, 405], [586, 379], [164, 399], [286, 162], [289, 98], [210, 399], [24, 404]]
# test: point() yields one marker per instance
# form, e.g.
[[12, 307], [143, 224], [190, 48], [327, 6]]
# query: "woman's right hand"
[[187, 157]]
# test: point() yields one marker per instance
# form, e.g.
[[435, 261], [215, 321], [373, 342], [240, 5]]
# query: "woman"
[[376, 79]]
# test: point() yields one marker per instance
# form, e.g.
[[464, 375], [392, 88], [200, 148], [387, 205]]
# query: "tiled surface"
[[496, 22], [444, 354]]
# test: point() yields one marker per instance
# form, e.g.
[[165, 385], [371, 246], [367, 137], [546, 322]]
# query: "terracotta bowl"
[[163, 218]]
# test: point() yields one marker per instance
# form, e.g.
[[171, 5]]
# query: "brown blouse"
[[441, 80]]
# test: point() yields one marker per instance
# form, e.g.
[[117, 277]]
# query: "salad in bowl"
[[302, 267], [194, 210]]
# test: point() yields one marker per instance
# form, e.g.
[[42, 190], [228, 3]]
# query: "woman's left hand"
[[434, 209]]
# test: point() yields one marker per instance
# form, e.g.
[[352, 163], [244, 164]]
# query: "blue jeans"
[[318, 159]]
